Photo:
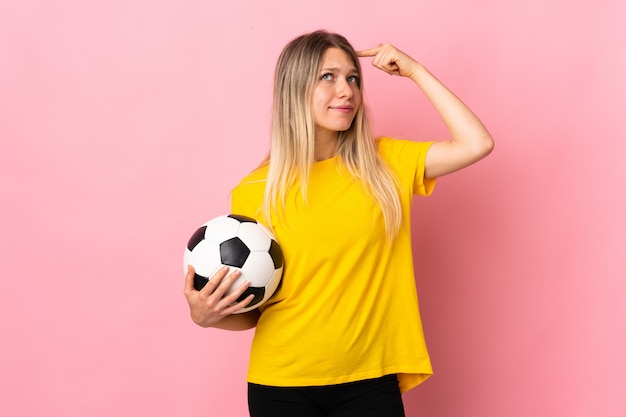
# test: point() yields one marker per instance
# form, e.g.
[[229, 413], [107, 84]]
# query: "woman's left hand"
[[391, 60]]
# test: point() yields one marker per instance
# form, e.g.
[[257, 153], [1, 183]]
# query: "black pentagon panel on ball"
[[196, 238], [276, 254], [242, 218], [234, 252], [199, 281], [259, 293]]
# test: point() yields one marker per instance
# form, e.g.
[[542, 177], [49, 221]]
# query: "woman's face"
[[336, 95]]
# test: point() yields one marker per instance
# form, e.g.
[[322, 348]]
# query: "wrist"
[[418, 72]]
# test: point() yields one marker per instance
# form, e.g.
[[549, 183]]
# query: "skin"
[[470, 141], [335, 100], [209, 307]]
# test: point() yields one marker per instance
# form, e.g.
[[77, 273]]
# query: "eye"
[[353, 79], [327, 76]]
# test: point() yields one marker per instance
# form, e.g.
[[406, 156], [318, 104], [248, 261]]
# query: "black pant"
[[379, 397]]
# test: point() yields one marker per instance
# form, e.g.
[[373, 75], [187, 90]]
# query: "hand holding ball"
[[242, 243]]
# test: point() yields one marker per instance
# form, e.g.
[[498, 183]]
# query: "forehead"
[[335, 58]]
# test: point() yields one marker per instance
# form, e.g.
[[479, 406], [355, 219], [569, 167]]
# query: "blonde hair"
[[293, 132]]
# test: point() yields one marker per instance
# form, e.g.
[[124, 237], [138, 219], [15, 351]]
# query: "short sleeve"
[[408, 160]]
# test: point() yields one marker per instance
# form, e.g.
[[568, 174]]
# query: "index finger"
[[368, 52]]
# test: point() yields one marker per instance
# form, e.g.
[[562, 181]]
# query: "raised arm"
[[470, 141]]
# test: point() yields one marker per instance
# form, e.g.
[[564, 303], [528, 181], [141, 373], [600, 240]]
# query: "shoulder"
[[400, 151], [252, 184], [258, 175], [247, 195], [407, 158]]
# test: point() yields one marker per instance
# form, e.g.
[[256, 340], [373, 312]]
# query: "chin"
[[342, 127]]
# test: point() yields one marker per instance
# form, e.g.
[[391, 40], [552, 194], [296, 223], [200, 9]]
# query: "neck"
[[325, 145]]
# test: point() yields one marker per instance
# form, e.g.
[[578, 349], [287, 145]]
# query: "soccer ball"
[[241, 243]]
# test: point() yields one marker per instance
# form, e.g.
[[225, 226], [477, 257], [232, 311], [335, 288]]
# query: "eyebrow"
[[335, 69]]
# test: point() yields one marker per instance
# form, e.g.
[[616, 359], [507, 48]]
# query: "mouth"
[[344, 108]]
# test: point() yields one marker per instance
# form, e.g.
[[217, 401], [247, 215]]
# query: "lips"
[[344, 108]]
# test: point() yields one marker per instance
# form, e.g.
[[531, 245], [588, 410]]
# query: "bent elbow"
[[485, 147]]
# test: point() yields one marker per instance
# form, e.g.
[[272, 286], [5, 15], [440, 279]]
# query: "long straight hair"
[[293, 132]]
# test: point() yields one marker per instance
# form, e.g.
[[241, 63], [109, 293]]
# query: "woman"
[[342, 336]]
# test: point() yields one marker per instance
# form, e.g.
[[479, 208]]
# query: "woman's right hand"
[[210, 305]]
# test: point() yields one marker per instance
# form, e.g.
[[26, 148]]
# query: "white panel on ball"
[[240, 241]]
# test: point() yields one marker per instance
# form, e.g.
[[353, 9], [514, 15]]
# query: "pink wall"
[[123, 125]]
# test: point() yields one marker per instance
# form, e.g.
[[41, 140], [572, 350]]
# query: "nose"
[[344, 90]]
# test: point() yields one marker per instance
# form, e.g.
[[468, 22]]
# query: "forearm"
[[469, 141], [235, 322], [462, 123]]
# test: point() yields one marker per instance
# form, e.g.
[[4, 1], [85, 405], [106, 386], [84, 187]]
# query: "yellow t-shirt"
[[347, 307]]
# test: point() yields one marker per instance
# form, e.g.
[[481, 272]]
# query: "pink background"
[[124, 124]]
